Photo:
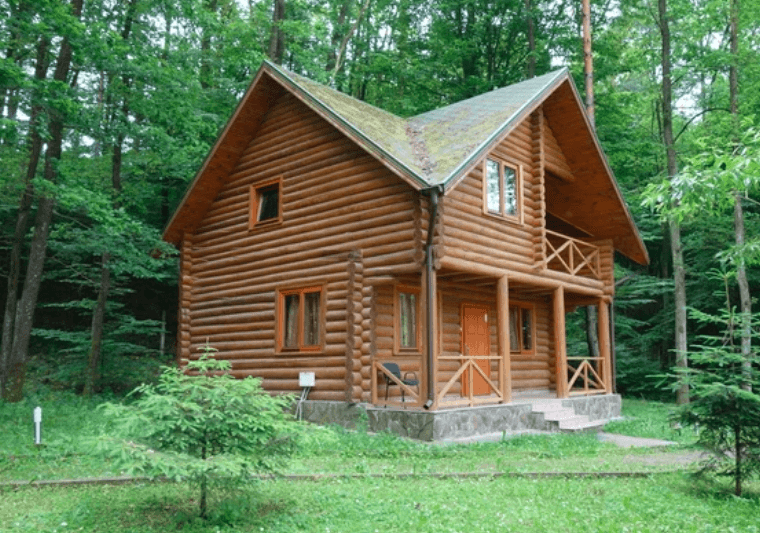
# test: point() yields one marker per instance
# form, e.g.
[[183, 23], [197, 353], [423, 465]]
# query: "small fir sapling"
[[202, 425]]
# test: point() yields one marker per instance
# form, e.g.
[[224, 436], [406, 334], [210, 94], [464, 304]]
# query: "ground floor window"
[[521, 326], [300, 318], [407, 319]]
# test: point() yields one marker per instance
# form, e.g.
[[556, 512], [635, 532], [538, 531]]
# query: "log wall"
[[345, 218], [496, 241]]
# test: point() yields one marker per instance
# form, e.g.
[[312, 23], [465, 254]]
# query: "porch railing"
[[469, 364], [381, 375], [573, 256], [585, 379]]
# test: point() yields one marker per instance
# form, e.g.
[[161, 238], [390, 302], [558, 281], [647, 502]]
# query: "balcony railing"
[[571, 256]]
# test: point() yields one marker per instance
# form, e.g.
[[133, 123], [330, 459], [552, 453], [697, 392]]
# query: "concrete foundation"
[[460, 423]]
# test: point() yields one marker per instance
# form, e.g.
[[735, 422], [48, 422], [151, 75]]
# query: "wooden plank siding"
[[345, 219]]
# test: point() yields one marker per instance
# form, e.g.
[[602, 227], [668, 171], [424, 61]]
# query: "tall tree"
[[120, 114], [739, 233], [679, 267], [17, 358]]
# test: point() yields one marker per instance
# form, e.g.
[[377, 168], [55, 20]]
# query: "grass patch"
[[659, 503], [642, 418]]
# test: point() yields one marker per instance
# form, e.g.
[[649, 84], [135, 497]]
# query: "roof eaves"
[[611, 175], [365, 141], [516, 117], [170, 232]]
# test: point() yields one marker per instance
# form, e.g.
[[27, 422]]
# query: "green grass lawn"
[[658, 502]]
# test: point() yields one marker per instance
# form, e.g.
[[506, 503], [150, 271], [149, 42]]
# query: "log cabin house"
[[325, 235]]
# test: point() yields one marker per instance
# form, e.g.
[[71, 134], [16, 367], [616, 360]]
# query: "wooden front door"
[[476, 340]]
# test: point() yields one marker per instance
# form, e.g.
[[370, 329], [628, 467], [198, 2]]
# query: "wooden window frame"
[[397, 348], [254, 203], [280, 322], [532, 309], [502, 214]]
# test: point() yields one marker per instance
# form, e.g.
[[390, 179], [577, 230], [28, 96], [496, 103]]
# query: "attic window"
[[501, 190], [266, 204]]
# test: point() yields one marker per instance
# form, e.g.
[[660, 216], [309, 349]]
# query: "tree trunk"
[[277, 37], [531, 71], [99, 313], [22, 222], [98, 317], [588, 62], [592, 335], [346, 38], [745, 297], [17, 358], [679, 270], [336, 37], [737, 461], [206, 61]]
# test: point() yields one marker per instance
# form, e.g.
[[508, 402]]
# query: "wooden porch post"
[[429, 368], [559, 341], [502, 304], [604, 345]]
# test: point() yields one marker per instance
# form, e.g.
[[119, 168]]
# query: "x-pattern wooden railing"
[[379, 370], [469, 362], [590, 378], [571, 255]]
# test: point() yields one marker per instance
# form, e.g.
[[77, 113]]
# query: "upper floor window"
[[265, 203], [299, 318], [502, 188], [521, 327]]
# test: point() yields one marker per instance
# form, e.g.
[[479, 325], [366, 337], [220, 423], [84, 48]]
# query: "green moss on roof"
[[432, 147]]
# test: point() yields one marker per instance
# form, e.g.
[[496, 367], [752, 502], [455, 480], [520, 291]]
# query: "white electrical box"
[[306, 379]]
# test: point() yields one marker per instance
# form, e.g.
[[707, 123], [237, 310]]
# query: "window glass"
[[527, 330], [510, 191], [514, 328], [311, 319], [290, 327], [493, 186], [408, 319], [269, 203]]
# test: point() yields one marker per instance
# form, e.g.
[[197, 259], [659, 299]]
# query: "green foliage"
[[202, 425], [725, 404]]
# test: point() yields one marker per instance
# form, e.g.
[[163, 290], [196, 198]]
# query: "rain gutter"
[[433, 193]]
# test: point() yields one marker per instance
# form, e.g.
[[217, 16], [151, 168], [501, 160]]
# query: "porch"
[[468, 423], [497, 337]]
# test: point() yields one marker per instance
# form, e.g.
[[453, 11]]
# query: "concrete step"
[[565, 417], [545, 406], [581, 423], [559, 414]]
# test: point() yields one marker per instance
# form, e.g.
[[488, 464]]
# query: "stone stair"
[[565, 418]]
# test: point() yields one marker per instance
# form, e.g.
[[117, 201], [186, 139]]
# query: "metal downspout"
[[434, 192]]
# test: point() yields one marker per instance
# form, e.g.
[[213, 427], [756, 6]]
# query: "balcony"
[[571, 256]]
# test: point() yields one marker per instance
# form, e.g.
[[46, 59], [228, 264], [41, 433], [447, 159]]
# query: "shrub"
[[201, 425]]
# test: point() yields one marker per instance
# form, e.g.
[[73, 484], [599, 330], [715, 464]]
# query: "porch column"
[[559, 341], [502, 304], [604, 345], [430, 338]]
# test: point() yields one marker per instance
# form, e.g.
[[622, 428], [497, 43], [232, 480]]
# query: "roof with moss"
[[435, 146]]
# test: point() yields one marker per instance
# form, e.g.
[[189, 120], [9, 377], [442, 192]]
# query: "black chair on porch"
[[393, 369]]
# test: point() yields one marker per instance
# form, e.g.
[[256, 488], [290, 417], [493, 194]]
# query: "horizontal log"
[[355, 216]]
